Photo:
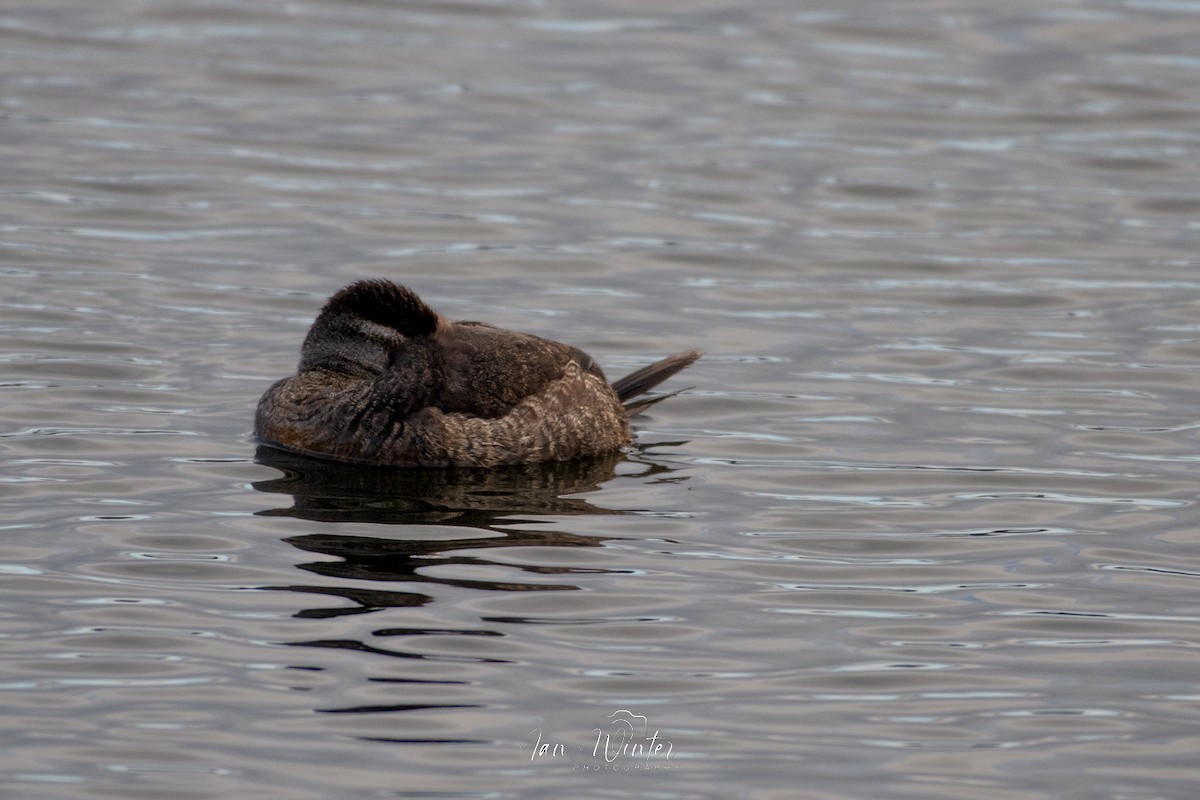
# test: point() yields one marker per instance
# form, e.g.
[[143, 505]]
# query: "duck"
[[385, 380]]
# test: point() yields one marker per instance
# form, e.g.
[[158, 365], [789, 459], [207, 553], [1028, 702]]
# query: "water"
[[924, 527]]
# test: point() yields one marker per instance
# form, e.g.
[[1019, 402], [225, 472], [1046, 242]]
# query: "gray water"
[[925, 525]]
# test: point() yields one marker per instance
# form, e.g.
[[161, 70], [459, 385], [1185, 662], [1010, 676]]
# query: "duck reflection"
[[472, 509], [326, 491]]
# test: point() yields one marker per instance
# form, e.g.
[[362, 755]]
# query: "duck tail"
[[637, 383]]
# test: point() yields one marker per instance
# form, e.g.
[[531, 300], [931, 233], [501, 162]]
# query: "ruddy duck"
[[383, 379]]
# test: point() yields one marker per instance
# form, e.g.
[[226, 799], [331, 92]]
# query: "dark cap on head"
[[384, 303]]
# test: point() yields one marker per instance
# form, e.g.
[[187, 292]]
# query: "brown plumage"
[[383, 379]]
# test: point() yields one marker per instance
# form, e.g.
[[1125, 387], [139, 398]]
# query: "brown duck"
[[384, 379]]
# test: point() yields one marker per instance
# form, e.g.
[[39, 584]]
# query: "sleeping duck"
[[384, 379]]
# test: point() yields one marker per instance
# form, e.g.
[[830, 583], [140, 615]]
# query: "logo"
[[625, 742]]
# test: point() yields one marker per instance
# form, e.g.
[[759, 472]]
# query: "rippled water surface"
[[924, 526]]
